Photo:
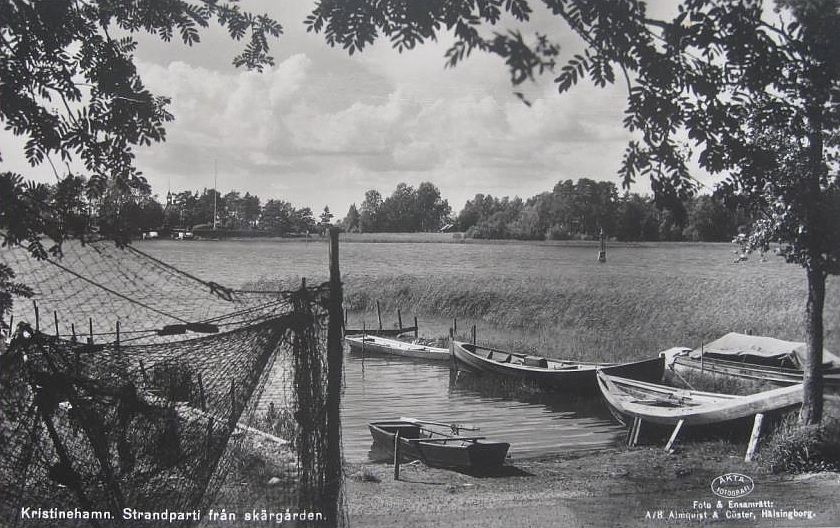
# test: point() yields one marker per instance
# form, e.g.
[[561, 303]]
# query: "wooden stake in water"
[[90, 330], [55, 320], [399, 319], [473, 335], [37, 317], [415, 327], [118, 333], [397, 455], [602, 254], [455, 325], [379, 315]]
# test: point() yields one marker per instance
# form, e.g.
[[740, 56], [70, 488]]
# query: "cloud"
[[315, 129]]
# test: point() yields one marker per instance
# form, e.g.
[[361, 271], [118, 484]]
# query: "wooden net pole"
[[335, 360]]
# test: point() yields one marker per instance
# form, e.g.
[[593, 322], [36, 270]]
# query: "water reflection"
[[535, 423]]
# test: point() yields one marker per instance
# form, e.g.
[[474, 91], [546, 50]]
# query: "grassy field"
[[556, 298]]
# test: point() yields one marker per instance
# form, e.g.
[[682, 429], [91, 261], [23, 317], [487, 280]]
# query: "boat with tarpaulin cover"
[[748, 357]]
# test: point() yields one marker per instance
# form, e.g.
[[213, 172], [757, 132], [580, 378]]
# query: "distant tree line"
[[572, 210], [406, 210], [126, 212]]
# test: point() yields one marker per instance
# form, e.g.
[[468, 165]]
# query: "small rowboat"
[[755, 358], [383, 332], [668, 405], [434, 447], [394, 347], [554, 374], [635, 402]]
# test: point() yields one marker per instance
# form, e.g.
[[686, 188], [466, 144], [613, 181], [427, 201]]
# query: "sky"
[[321, 127]]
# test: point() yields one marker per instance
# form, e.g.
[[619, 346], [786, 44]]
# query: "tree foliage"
[[70, 89], [746, 89], [406, 210]]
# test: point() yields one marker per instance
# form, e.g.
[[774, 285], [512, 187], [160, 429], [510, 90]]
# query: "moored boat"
[[630, 399], [438, 448], [554, 374], [395, 347], [636, 402], [384, 332], [753, 358]]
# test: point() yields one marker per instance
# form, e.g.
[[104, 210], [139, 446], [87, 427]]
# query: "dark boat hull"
[[565, 376], [458, 454]]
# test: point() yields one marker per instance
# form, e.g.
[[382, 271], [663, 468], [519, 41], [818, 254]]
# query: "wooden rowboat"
[[664, 405], [394, 347], [635, 402], [553, 374], [385, 332], [419, 441], [754, 358]]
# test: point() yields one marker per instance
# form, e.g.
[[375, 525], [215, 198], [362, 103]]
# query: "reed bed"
[[654, 298]]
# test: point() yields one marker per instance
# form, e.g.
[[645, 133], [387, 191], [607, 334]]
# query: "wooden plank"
[[756, 432], [634, 431], [673, 438]]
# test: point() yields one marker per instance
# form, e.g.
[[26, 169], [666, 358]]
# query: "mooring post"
[[90, 330], [37, 317], [73, 332], [602, 253], [379, 315], [399, 319], [453, 365], [118, 333], [415, 327], [335, 364], [397, 455], [473, 335], [455, 325], [55, 320]]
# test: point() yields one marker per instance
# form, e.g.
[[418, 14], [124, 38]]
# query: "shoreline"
[[630, 487]]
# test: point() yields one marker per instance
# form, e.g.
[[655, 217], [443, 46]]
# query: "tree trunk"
[[812, 398]]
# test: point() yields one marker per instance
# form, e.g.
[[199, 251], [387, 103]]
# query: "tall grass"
[[617, 311]]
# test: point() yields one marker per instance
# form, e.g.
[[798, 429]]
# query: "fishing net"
[[131, 389]]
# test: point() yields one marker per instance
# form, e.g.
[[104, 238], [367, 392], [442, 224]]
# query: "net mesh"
[[131, 385]]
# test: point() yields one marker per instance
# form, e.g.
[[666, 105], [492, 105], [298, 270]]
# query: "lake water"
[[380, 387], [383, 387]]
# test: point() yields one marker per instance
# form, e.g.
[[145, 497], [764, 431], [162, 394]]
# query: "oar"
[[442, 424]]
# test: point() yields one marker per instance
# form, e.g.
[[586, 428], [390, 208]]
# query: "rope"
[[118, 294], [216, 289]]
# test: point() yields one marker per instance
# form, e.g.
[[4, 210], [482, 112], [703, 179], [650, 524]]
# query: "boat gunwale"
[[704, 413]]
